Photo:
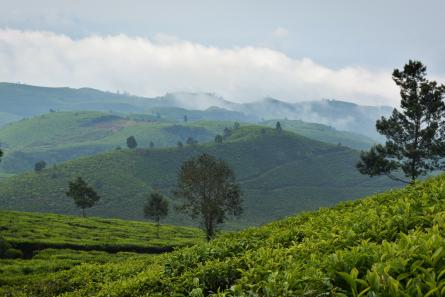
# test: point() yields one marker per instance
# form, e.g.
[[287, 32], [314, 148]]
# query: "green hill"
[[280, 174], [60, 136], [324, 133], [391, 244], [46, 243]]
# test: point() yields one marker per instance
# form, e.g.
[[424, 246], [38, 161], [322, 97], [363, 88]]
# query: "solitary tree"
[[226, 133], [278, 127], [152, 144], [218, 139], [131, 142], [415, 135], [39, 166], [191, 141], [156, 208], [83, 195], [179, 144], [210, 191]]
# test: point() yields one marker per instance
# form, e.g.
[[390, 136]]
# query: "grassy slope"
[[280, 174], [53, 230], [391, 244], [324, 133], [61, 136]]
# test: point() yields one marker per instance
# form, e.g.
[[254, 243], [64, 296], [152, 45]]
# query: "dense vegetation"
[[279, 174], [391, 244], [35, 231]]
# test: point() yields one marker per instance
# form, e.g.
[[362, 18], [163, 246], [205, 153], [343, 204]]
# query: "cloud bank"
[[153, 67]]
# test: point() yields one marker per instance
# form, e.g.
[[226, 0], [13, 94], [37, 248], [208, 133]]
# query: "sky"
[[241, 50]]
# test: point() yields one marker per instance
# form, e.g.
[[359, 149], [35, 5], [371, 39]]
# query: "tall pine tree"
[[415, 134]]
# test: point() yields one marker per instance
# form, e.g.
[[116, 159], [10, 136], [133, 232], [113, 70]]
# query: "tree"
[[156, 208], [179, 144], [185, 118], [191, 141], [236, 125], [210, 191], [278, 127], [226, 133], [152, 144], [83, 195], [131, 142], [39, 166], [218, 139], [415, 143]]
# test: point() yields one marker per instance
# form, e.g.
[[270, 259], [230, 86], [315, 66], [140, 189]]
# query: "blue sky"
[[366, 38]]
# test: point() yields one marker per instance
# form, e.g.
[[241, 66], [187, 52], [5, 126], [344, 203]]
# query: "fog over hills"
[[20, 101]]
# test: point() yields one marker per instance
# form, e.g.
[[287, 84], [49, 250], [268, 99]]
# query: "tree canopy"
[[156, 208], [131, 142], [83, 195], [415, 134], [210, 191]]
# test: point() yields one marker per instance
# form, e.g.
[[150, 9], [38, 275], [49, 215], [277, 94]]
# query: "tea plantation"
[[390, 244]]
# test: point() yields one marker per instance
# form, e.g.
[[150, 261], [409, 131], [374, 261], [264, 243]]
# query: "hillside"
[[46, 243], [279, 173], [391, 244], [60, 136], [24, 101], [324, 133]]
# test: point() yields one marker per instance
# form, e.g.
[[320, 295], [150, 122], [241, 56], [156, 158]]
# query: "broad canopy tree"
[[210, 191], [415, 134], [156, 208], [83, 195]]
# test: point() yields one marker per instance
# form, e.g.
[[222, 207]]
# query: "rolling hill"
[[280, 174], [391, 244], [60, 136], [24, 101]]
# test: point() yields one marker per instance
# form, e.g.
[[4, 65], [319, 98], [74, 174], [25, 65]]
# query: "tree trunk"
[[157, 228]]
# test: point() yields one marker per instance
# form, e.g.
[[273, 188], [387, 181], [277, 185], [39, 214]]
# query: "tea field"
[[389, 244]]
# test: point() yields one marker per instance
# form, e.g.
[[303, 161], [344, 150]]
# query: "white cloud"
[[152, 68]]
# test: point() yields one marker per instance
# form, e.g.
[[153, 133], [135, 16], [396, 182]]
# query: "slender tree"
[[278, 127], [226, 133], [415, 134], [156, 208], [152, 144], [131, 142], [83, 195], [218, 139], [210, 191]]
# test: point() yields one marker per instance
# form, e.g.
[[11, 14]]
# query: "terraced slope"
[[280, 174], [390, 244]]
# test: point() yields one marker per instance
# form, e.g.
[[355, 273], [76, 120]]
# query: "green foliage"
[[415, 142], [39, 166], [83, 195], [131, 142], [156, 208], [391, 244], [278, 127], [300, 174], [210, 191], [324, 133], [218, 139], [6, 250], [43, 231]]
